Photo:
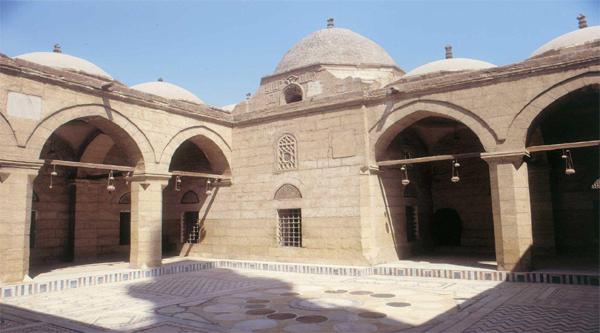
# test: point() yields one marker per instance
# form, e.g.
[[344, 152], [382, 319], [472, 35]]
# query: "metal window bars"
[[290, 227]]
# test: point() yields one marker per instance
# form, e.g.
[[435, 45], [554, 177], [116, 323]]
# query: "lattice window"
[[286, 153], [190, 197], [412, 224], [290, 227], [125, 199], [288, 191]]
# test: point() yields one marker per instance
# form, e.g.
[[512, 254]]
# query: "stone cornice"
[[119, 92], [404, 89], [33, 165]]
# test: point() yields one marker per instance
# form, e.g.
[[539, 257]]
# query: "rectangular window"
[[412, 224], [190, 228], [125, 228], [290, 227]]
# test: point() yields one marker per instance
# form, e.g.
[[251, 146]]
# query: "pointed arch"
[[396, 120], [109, 120], [521, 124], [216, 148]]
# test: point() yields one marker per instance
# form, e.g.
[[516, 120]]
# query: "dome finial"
[[160, 79], [57, 48], [248, 95], [582, 21], [330, 22], [448, 51]]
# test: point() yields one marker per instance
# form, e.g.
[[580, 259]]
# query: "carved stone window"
[[286, 153], [190, 197], [288, 191], [292, 93], [125, 199]]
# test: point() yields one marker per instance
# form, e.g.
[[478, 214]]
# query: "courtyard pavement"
[[235, 300]]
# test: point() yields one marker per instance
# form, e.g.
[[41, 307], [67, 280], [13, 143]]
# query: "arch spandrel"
[[394, 120], [111, 121], [520, 125]]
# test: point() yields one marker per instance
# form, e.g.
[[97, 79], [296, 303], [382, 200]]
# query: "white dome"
[[575, 38], [64, 61], [449, 65], [167, 90], [334, 46]]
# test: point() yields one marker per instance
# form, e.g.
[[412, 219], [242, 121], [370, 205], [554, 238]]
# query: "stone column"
[[509, 182], [146, 220], [16, 189]]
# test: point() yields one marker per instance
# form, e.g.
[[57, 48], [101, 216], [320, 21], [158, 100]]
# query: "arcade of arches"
[[501, 162]]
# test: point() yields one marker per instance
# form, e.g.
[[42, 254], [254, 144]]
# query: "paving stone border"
[[29, 288]]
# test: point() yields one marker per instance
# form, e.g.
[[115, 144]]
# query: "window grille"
[[290, 227], [190, 228], [286, 153], [412, 224]]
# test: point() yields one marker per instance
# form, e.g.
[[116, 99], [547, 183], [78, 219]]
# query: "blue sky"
[[220, 50]]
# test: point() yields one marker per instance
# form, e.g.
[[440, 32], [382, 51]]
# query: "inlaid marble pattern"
[[240, 300]]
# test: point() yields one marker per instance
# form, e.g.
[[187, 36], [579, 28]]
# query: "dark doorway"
[[190, 225], [125, 228], [446, 227]]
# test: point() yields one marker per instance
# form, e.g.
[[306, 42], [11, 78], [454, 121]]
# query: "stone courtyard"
[[240, 300]]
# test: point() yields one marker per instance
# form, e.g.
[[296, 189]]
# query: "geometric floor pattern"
[[235, 300]]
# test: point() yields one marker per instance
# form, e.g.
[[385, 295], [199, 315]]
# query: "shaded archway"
[[413, 225], [185, 221], [564, 203], [78, 217]]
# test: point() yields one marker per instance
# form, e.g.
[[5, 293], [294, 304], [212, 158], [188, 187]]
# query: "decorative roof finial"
[[57, 48], [448, 52], [330, 22], [582, 21], [248, 95], [160, 79]]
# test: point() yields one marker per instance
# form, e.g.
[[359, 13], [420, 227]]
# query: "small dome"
[[167, 90], [575, 38], [334, 46], [64, 61], [229, 107], [449, 65]]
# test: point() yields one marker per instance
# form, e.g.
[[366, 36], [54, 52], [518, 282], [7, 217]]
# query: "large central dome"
[[334, 46]]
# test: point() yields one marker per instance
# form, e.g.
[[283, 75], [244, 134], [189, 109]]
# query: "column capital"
[[502, 157], [29, 165]]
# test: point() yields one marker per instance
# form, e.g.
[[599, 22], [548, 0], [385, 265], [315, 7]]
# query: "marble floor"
[[235, 300]]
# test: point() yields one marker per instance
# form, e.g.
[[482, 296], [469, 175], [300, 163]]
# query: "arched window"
[[292, 93], [410, 191], [286, 153], [288, 191], [190, 197], [125, 199]]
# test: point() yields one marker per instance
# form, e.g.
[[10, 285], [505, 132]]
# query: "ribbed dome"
[[64, 61], [449, 65], [334, 46], [575, 38], [167, 90]]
